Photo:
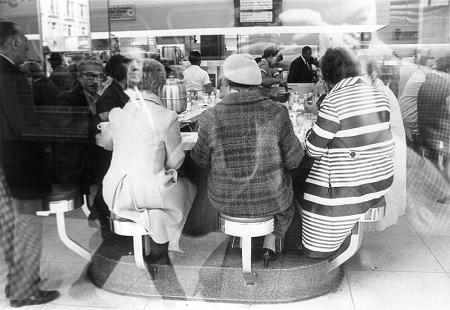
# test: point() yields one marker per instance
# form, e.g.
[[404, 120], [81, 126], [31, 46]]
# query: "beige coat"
[[142, 183]]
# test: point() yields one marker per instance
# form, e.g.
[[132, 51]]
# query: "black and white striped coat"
[[353, 147]]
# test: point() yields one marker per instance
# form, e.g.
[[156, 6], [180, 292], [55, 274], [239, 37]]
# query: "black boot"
[[159, 254]]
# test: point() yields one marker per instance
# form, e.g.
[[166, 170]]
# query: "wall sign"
[[257, 12], [122, 12]]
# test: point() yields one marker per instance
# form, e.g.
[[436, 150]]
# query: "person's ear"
[[15, 42]]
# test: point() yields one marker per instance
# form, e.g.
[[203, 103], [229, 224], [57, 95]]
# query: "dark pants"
[[22, 242]]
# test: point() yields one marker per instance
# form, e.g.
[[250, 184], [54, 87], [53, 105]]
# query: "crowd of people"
[[247, 144]]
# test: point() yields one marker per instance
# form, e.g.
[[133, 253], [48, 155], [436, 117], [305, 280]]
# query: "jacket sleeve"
[[201, 152], [323, 131], [291, 149], [293, 72], [173, 145]]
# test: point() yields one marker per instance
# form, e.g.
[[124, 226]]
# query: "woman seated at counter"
[[142, 182], [248, 144], [353, 148]]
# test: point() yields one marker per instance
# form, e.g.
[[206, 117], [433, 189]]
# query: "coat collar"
[[243, 97], [347, 82]]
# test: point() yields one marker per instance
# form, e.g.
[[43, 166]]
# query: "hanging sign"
[[122, 12], [257, 12]]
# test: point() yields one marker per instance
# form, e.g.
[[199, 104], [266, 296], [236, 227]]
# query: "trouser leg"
[[282, 220], [24, 273], [22, 241]]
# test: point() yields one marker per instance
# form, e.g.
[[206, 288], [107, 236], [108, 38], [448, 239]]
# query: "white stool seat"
[[372, 215], [62, 199], [246, 228], [126, 227]]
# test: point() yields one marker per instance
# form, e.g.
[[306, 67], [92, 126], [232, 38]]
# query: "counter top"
[[192, 115]]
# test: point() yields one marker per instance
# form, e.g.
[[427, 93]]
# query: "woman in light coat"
[[142, 182]]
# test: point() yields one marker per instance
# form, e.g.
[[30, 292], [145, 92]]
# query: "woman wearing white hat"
[[248, 144]]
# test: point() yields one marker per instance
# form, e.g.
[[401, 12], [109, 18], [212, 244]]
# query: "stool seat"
[[125, 227], [246, 228], [246, 219], [372, 215], [63, 192], [64, 198]]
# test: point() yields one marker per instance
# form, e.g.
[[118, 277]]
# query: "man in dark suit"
[[81, 163], [20, 168], [301, 70]]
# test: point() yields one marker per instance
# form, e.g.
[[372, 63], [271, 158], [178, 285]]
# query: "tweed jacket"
[[248, 144], [433, 114]]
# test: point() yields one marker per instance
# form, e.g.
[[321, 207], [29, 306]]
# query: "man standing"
[[21, 244], [195, 78], [301, 70]]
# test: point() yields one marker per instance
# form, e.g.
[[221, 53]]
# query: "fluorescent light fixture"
[[238, 31]]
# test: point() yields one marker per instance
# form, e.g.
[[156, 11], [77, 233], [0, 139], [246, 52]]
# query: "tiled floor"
[[395, 269]]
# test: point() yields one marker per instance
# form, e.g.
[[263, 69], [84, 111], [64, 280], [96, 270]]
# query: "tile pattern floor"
[[395, 269]]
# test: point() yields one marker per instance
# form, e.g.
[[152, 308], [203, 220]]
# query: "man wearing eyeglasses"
[[78, 163]]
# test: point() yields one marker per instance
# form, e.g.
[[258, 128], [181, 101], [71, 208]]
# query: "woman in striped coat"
[[353, 148]]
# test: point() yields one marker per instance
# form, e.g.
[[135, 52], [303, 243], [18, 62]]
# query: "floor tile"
[[394, 253], [77, 291], [440, 247], [399, 290], [401, 228], [338, 299]]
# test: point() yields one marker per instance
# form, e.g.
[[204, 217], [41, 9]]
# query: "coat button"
[[352, 154]]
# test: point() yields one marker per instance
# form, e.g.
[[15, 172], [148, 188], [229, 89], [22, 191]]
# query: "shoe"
[[39, 298], [269, 256]]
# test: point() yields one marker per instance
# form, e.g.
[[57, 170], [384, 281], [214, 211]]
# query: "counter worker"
[[301, 69], [195, 78], [272, 56]]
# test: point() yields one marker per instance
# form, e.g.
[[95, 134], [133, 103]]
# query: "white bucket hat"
[[242, 69]]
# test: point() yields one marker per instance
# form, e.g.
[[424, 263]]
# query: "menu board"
[[257, 12]]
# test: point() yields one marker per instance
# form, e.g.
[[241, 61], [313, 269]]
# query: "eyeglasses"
[[92, 76]]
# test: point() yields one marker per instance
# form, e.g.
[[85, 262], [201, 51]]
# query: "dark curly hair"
[[339, 63]]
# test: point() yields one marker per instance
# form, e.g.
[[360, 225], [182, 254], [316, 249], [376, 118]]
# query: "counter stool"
[[246, 228], [126, 227], [62, 199], [372, 215]]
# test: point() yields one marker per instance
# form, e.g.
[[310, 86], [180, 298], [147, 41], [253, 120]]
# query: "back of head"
[[7, 31], [32, 69], [195, 58], [241, 70], [339, 63], [115, 67], [306, 49], [55, 60], [443, 64], [270, 51]]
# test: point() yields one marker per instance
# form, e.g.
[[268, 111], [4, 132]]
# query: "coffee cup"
[[102, 126]]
